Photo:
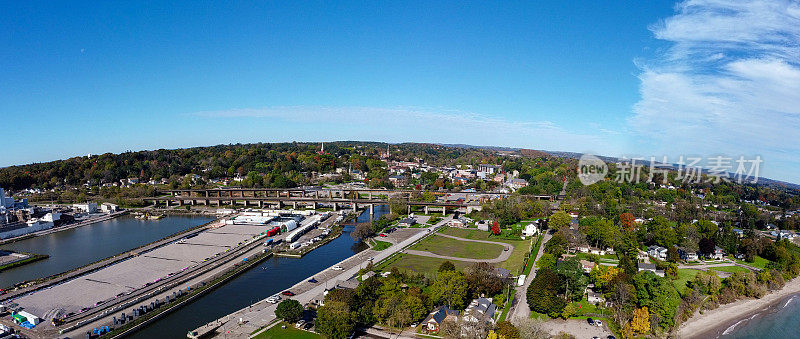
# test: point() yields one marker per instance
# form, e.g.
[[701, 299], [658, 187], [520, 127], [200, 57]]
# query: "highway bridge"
[[316, 197]]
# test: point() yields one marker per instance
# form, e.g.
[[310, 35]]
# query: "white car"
[[598, 323], [337, 268]]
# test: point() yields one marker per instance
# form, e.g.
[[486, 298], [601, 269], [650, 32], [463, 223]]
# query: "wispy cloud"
[[422, 125], [729, 83]]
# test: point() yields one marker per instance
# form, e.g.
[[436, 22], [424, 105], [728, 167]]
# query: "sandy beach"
[[712, 323]]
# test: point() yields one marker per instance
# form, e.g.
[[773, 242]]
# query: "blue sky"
[[614, 78]]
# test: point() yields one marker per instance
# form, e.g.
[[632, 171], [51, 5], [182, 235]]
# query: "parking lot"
[[124, 277]]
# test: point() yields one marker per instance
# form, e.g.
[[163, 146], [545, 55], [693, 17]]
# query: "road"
[[501, 258], [243, 322], [520, 308]]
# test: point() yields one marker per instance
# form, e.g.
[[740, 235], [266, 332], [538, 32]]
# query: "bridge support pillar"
[[426, 209], [294, 205], [408, 209], [371, 209], [355, 207], [180, 202], [370, 195], [335, 205], [444, 210]]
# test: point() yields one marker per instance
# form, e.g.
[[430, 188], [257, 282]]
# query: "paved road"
[[243, 322], [520, 308], [501, 258]]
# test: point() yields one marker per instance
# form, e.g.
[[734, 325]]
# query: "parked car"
[[288, 293], [313, 281], [300, 323], [598, 323], [590, 321], [383, 235], [337, 268]]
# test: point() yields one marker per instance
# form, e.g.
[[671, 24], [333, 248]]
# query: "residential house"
[[530, 230], [718, 254], [481, 309], [108, 207], [657, 252], [687, 255], [593, 297], [587, 266], [502, 273], [651, 268], [517, 183], [460, 222], [484, 225], [398, 180], [437, 317]]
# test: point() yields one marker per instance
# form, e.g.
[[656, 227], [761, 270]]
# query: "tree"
[[481, 279], [658, 295], [547, 261], [447, 266], [289, 310], [506, 330], [639, 325], [334, 320], [531, 329], [495, 228], [559, 219], [449, 288], [556, 246], [543, 293], [628, 221], [574, 280]]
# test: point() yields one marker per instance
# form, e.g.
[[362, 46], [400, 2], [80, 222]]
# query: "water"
[[83, 245], [272, 276], [781, 321]]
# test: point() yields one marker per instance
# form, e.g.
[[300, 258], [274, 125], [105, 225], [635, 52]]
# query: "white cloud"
[[730, 83], [420, 125]]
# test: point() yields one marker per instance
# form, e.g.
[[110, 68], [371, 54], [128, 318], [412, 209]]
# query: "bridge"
[[316, 197]]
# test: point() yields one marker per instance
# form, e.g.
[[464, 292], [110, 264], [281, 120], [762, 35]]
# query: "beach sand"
[[712, 323]]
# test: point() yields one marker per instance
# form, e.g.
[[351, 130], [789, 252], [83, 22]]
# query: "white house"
[[530, 230], [107, 207], [481, 309], [88, 207], [657, 252]]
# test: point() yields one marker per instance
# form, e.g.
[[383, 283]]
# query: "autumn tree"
[[639, 325], [495, 228], [627, 220]]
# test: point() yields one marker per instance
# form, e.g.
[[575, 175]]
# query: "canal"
[[272, 276], [74, 248]]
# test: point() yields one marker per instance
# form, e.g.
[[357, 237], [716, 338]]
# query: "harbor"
[[98, 297]]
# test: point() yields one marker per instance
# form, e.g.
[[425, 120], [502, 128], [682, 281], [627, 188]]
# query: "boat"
[[155, 217]]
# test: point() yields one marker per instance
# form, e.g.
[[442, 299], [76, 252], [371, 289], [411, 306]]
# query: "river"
[[76, 247], [272, 276]]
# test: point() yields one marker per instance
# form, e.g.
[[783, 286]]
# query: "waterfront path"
[[519, 307], [508, 249], [64, 228], [242, 323]]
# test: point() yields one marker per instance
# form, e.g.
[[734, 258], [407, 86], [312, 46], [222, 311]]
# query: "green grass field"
[[729, 269], [420, 264], [457, 248], [684, 275], [276, 332], [758, 262], [534, 252], [513, 264], [381, 245]]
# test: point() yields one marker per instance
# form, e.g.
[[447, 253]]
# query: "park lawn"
[[729, 269], [276, 332], [381, 245], [684, 275], [420, 264], [457, 248], [514, 262], [758, 262]]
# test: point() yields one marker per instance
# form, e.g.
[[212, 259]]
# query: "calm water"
[[781, 321], [79, 246], [272, 276]]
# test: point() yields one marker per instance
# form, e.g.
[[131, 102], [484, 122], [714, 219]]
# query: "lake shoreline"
[[726, 318]]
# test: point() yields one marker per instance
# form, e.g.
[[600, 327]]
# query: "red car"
[[382, 235], [288, 293]]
